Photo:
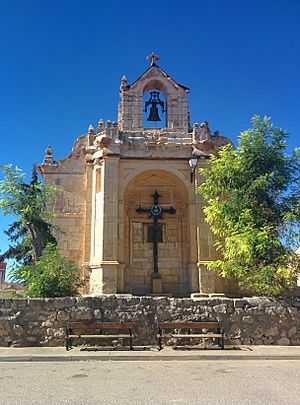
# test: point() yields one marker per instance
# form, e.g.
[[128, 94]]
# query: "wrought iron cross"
[[156, 212]]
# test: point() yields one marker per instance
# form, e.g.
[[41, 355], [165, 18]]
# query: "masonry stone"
[[113, 170], [244, 322]]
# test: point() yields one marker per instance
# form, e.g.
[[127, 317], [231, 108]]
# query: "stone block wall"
[[70, 204], [257, 321]]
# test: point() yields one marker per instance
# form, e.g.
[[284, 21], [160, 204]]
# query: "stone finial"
[[91, 135], [91, 130], [218, 139], [204, 131], [123, 83], [48, 159], [204, 124], [196, 133], [115, 124], [108, 124], [100, 126]]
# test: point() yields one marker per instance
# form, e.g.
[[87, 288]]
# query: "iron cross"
[[156, 212]]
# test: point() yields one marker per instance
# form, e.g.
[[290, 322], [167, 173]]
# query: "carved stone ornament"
[[48, 159], [154, 73]]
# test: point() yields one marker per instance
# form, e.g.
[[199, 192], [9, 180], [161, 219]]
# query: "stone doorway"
[[173, 255]]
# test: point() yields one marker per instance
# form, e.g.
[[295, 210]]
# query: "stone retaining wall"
[[41, 322]]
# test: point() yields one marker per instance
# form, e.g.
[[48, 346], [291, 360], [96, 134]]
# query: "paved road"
[[165, 382]]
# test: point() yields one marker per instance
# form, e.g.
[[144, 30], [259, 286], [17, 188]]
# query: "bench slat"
[[214, 330], [189, 325], [118, 329], [96, 336], [100, 325], [191, 335]]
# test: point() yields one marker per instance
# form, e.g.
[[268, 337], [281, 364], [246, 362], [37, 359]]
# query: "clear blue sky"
[[62, 62]]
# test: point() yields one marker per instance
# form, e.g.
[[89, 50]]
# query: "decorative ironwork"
[[156, 212]]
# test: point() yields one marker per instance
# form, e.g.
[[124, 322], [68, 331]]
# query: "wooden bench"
[[188, 330], [94, 330]]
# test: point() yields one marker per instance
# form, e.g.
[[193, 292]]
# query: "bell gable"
[[131, 107]]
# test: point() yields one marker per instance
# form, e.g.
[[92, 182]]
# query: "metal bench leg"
[[70, 339], [130, 340], [67, 339], [222, 339], [160, 339]]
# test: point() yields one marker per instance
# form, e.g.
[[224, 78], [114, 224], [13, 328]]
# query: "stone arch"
[[173, 173], [155, 84], [173, 250]]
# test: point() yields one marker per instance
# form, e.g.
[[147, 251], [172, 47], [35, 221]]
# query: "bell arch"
[[154, 110], [151, 87], [173, 245], [155, 84]]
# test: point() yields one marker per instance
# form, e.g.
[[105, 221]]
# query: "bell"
[[154, 100], [153, 115]]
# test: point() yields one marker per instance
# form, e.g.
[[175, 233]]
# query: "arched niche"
[[173, 249]]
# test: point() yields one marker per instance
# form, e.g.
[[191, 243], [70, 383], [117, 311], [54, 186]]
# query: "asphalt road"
[[159, 382]]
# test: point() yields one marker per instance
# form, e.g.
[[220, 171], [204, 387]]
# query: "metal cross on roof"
[[153, 58]]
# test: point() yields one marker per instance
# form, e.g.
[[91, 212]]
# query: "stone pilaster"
[[104, 263], [193, 246], [209, 281]]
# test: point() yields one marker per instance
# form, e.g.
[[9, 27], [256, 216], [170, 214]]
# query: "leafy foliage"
[[40, 266], [253, 196], [51, 276], [28, 202], [20, 248]]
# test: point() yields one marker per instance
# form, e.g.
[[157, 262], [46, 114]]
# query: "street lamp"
[[193, 164]]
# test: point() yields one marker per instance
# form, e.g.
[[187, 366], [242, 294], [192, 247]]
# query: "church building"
[[128, 209]]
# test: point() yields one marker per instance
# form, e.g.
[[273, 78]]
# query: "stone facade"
[[115, 169], [256, 320]]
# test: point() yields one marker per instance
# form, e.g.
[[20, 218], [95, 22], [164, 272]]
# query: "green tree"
[[52, 275], [28, 202], [253, 196]]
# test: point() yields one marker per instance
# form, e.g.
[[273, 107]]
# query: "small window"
[[150, 233]]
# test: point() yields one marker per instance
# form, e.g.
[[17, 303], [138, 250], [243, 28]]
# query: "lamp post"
[[193, 162]]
